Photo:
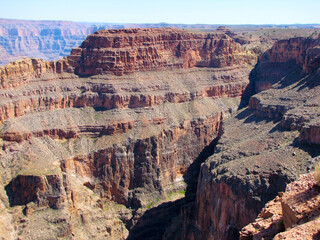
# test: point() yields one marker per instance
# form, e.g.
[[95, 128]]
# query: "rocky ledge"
[[130, 50], [294, 214], [89, 154], [93, 144], [263, 147]]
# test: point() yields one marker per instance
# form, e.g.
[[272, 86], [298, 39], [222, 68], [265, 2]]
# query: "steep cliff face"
[[285, 58], [91, 144], [25, 70], [129, 50], [262, 147], [89, 155], [294, 214], [297, 107]]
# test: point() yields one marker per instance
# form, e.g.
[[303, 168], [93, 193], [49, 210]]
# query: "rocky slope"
[[264, 146], [292, 215], [92, 145], [85, 157]]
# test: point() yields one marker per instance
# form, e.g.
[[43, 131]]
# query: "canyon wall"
[[294, 214], [48, 40], [264, 146], [285, 58], [93, 144], [129, 50], [89, 155]]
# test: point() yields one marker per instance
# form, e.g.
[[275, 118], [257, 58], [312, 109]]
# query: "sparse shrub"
[[317, 173]]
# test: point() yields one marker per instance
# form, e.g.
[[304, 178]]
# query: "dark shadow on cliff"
[[153, 224], [245, 114], [191, 177], [312, 149], [249, 116], [310, 81], [316, 236], [248, 91], [277, 128]]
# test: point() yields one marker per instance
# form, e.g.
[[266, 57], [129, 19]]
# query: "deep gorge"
[[154, 134]]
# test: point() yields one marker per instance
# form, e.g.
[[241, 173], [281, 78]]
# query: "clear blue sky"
[[170, 11]]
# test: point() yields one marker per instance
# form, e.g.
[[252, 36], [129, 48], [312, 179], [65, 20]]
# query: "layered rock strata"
[[292, 215], [96, 139], [86, 153], [130, 50], [293, 97], [262, 147]]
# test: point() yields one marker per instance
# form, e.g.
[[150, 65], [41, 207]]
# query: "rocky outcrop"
[[130, 50], [293, 215], [89, 155], [284, 58], [43, 190], [25, 70], [246, 170], [290, 71], [91, 147], [249, 166], [302, 51], [72, 92], [151, 164]]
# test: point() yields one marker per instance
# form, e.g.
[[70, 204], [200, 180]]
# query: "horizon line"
[[137, 23]]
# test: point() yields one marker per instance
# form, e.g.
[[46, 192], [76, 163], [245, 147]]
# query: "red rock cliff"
[[25, 70], [75, 144], [129, 50]]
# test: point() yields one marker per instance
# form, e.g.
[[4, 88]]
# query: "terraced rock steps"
[[92, 145]]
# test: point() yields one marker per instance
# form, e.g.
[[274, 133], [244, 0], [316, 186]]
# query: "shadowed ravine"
[[155, 134], [156, 223]]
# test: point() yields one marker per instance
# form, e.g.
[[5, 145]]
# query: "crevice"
[[154, 223]]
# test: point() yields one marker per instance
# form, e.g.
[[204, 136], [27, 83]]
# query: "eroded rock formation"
[[130, 50], [260, 150], [49, 40], [292, 215], [96, 141], [90, 154]]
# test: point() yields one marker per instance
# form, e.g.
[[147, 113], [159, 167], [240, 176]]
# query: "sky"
[[169, 11]]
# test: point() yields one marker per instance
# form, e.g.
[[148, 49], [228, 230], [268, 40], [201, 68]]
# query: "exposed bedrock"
[[263, 147], [95, 155], [285, 60], [130, 50], [132, 92], [150, 164], [23, 71], [290, 73], [294, 214], [44, 190], [89, 155], [250, 165]]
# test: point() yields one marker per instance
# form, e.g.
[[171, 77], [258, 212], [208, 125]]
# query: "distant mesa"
[[129, 50]]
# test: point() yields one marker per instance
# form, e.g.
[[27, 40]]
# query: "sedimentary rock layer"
[[258, 154], [294, 214], [94, 140], [85, 151], [130, 50]]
